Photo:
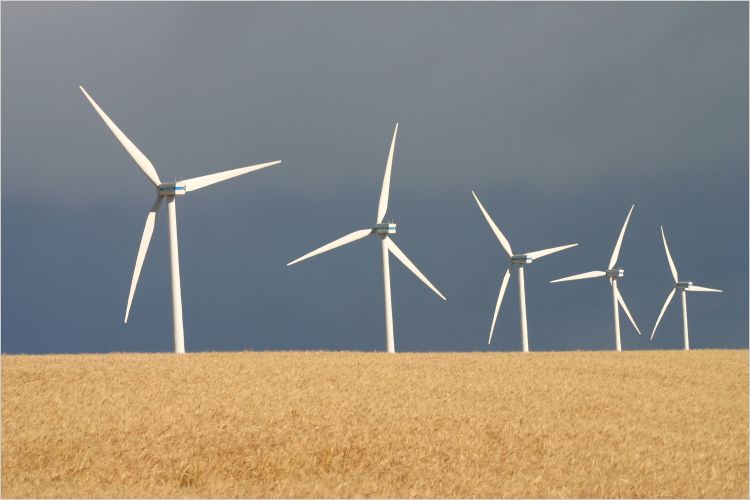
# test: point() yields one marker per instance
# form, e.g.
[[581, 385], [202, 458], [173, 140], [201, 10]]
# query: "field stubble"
[[342, 424]]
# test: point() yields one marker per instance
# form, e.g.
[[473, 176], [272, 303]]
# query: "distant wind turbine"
[[382, 229], [613, 274], [518, 261], [168, 190], [682, 286]]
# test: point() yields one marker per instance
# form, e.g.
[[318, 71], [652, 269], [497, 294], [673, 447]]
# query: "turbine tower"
[[381, 229], [518, 261], [613, 274], [170, 191], [682, 286]]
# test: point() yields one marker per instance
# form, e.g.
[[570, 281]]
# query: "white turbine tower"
[[682, 286], [382, 229], [613, 274], [518, 261], [168, 190]]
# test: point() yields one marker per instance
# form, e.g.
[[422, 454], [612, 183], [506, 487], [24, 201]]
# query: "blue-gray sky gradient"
[[558, 115]]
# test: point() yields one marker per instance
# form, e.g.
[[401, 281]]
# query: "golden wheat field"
[[314, 424]]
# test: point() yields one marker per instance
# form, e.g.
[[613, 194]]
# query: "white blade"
[[132, 150], [541, 253], [503, 286], [669, 256], [696, 288], [500, 236], [616, 253], [663, 309], [396, 251], [349, 238], [582, 276], [200, 182], [627, 311], [148, 230], [383, 204]]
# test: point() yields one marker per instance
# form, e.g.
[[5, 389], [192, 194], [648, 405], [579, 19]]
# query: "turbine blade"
[[383, 204], [200, 182], [148, 231], [582, 276], [144, 163], [696, 288], [663, 309], [616, 253], [349, 238], [396, 251], [503, 286], [541, 253], [500, 236], [669, 256], [627, 311]]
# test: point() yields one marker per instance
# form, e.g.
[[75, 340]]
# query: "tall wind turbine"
[[613, 274], [518, 261], [682, 286], [381, 229], [168, 190]]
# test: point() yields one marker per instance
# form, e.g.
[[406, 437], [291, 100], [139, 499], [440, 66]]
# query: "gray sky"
[[558, 115]]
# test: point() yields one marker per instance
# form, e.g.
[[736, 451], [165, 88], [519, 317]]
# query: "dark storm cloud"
[[559, 115]]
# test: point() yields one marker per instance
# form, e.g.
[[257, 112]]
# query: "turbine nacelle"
[[682, 285], [172, 189], [614, 273], [384, 228], [520, 259]]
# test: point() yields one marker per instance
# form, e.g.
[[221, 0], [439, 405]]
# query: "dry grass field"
[[291, 424]]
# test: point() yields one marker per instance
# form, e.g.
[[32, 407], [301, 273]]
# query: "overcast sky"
[[559, 115]]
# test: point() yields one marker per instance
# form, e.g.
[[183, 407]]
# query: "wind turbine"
[[518, 261], [682, 286], [168, 190], [613, 274], [381, 229]]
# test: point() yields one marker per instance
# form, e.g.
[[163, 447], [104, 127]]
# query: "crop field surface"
[[343, 424]]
